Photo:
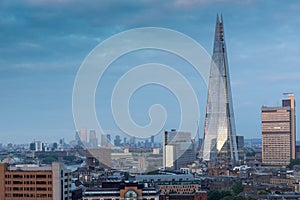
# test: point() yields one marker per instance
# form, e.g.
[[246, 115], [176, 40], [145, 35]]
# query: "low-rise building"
[[122, 190], [175, 186], [179, 187], [196, 196]]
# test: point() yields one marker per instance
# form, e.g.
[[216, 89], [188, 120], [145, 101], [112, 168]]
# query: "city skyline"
[[44, 43]]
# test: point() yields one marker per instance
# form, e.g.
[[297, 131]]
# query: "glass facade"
[[219, 146]]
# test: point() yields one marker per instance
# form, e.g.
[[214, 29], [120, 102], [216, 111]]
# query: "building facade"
[[179, 186], [21, 182], [83, 136], [178, 149], [194, 196], [98, 157], [240, 149], [122, 191], [219, 146], [279, 133], [93, 140]]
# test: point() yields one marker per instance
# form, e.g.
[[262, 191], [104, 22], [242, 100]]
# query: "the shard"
[[219, 145]]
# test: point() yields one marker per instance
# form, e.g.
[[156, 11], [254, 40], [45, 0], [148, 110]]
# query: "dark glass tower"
[[219, 146]]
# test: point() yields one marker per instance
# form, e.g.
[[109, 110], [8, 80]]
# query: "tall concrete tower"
[[279, 133], [219, 145]]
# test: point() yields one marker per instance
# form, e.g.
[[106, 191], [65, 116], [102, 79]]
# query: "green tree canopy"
[[237, 188]]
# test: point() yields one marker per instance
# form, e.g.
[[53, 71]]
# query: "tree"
[[229, 198], [225, 193], [214, 195], [49, 159], [294, 162], [262, 192], [237, 188], [237, 198], [69, 158]]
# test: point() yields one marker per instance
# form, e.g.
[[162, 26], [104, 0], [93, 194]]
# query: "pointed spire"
[[219, 144], [218, 32]]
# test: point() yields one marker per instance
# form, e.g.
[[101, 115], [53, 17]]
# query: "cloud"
[[193, 4], [50, 38], [280, 77]]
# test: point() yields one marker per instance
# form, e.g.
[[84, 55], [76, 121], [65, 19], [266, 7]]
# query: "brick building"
[[34, 182]]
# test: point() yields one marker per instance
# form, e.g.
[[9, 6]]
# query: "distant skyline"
[[43, 44]]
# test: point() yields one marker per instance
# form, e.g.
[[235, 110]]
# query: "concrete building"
[[172, 186], [98, 157], [202, 195], [122, 190], [106, 140], [93, 140], [36, 146], [178, 149], [156, 178], [35, 182], [83, 136], [117, 141], [297, 152], [279, 133], [240, 149], [179, 187]]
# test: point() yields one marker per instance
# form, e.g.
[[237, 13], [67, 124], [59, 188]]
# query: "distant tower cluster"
[[82, 139], [93, 141], [279, 133], [219, 145]]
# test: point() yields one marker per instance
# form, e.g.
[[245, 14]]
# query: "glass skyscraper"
[[219, 146]]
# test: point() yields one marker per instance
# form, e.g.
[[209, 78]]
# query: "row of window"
[[28, 182], [29, 195], [28, 189], [178, 186], [118, 199], [28, 176]]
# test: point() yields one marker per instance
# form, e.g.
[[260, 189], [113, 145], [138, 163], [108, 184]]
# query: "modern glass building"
[[219, 145], [178, 149]]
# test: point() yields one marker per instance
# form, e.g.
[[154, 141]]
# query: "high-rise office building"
[[240, 149], [132, 141], [219, 145], [106, 140], [37, 146], [93, 141], [279, 133], [83, 136], [117, 141], [178, 149]]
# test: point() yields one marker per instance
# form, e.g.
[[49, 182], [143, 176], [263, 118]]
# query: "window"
[[17, 176], [130, 195], [41, 182], [41, 189], [41, 176]]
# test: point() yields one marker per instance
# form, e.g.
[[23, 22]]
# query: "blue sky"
[[43, 44]]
